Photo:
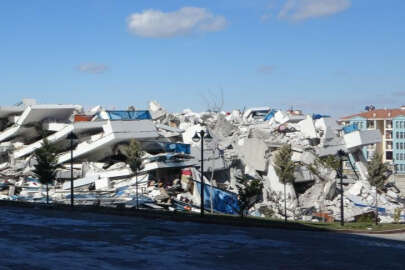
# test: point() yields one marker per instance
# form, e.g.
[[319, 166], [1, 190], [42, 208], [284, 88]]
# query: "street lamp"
[[72, 137], [341, 155], [201, 136]]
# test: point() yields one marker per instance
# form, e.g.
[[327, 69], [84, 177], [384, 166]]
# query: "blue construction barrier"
[[178, 148], [223, 201], [319, 116], [270, 115], [129, 115], [350, 128]]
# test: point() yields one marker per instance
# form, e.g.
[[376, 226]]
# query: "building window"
[[397, 145], [397, 134], [397, 156], [370, 124]]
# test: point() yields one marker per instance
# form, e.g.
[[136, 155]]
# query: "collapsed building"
[[243, 144]]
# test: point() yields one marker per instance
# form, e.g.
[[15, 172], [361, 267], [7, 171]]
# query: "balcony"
[[388, 135], [388, 124]]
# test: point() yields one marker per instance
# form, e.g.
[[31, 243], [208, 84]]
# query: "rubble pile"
[[243, 144]]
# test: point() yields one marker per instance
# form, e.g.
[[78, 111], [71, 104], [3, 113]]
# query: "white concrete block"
[[102, 183], [281, 117], [307, 128], [360, 138]]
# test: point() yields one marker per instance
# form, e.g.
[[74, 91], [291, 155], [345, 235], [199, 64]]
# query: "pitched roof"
[[378, 114]]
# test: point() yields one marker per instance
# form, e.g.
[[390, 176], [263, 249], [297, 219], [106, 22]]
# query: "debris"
[[243, 144]]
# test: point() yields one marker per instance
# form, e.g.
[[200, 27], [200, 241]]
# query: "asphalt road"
[[46, 239]]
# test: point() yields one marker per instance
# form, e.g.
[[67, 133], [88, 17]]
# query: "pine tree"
[[331, 162], [46, 166], [133, 154], [377, 171], [249, 193], [377, 174], [285, 168]]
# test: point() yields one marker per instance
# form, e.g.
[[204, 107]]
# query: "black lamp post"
[[341, 155], [72, 137], [201, 136]]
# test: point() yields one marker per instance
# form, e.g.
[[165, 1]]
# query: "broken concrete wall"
[[254, 153]]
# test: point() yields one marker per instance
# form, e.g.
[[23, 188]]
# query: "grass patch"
[[359, 226], [218, 219]]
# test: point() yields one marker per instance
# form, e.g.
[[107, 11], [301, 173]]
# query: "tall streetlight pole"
[[201, 136], [341, 154], [71, 137]]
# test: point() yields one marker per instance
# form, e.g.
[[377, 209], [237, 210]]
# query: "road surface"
[[47, 239]]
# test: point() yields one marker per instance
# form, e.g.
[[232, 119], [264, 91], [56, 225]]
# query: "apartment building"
[[391, 124]]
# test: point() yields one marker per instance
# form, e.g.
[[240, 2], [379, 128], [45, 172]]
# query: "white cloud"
[[297, 10], [266, 69], [156, 24], [92, 68]]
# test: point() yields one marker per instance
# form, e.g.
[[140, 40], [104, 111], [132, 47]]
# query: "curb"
[[371, 232]]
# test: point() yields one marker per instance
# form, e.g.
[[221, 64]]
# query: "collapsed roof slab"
[[261, 112], [102, 145], [213, 160], [184, 163], [36, 114], [6, 111], [360, 138], [77, 128], [39, 113]]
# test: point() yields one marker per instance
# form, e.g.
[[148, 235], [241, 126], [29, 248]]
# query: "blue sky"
[[326, 56]]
